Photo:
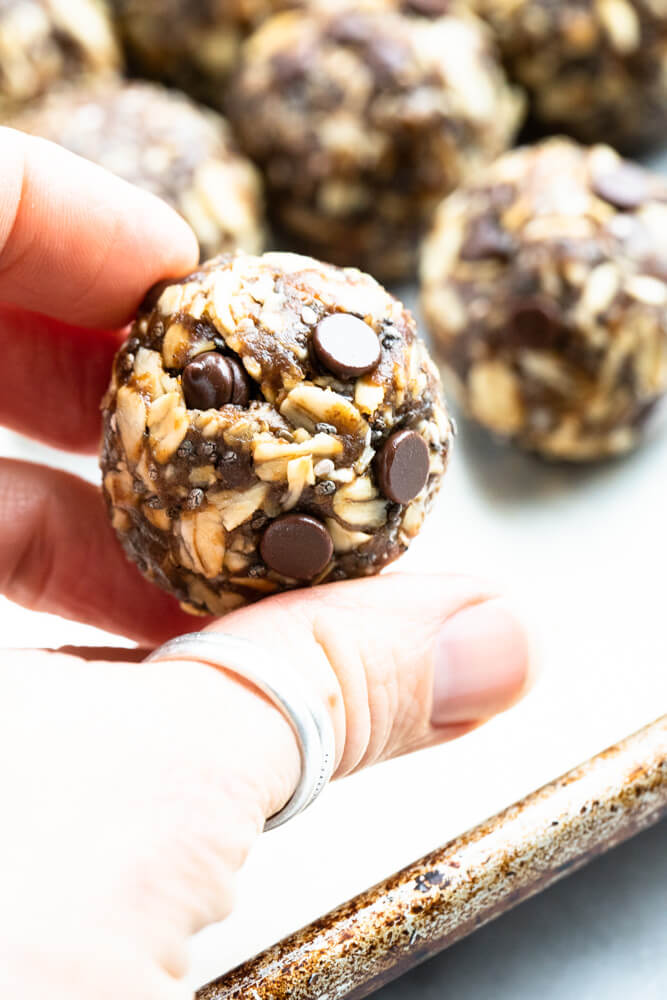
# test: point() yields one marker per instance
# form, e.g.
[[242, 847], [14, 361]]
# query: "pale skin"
[[132, 793]]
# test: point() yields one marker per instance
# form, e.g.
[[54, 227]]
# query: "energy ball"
[[271, 422], [161, 141], [545, 283], [362, 117], [596, 69], [43, 42], [194, 45]]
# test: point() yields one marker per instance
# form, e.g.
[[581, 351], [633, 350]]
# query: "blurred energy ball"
[[193, 44], [161, 141], [44, 42], [596, 69], [362, 116]]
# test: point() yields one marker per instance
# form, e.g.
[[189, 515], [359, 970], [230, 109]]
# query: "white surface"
[[602, 933]]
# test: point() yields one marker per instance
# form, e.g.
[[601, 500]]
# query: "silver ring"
[[300, 705]]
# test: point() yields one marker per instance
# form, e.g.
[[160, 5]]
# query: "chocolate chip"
[[484, 239], [625, 186], [402, 466], [212, 380], [534, 324], [346, 346], [297, 546]]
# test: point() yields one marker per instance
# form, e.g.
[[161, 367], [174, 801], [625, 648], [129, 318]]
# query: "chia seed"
[[195, 498]]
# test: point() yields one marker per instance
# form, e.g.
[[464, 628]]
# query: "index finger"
[[78, 243]]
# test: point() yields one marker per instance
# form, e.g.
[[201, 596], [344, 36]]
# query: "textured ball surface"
[[363, 116], [545, 284], [163, 142], [594, 68], [311, 473], [45, 42], [194, 44]]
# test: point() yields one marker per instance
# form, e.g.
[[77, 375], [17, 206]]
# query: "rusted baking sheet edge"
[[428, 906]]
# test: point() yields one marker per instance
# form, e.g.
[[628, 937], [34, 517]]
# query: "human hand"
[[133, 792]]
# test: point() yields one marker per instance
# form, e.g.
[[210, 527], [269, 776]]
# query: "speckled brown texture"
[[194, 44], [191, 492], [43, 42], [446, 895], [549, 300], [161, 141], [594, 68], [362, 117]]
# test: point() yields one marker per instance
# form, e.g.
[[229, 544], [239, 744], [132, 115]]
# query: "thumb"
[[402, 662]]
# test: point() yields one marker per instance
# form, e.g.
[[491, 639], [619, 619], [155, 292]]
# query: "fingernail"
[[481, 664]]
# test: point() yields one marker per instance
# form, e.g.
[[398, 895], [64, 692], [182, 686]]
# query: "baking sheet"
[[411, 916], [581, 553]]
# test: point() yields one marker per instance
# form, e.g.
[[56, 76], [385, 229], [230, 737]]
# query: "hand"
[[132, 792]]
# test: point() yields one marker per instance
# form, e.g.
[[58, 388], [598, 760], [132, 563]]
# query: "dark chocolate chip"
[[346, 346], [297, 546], [533, 324], [212, 380], [402, 466], [625, 186], [486, 238]]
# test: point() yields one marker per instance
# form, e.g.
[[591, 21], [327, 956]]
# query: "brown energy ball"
[[43, 42], [161, 141], [271, 422], [194, 44], [362, 118], [545, 283], [594, 68]]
